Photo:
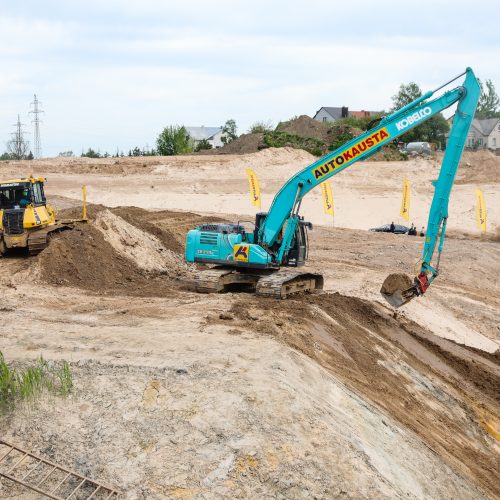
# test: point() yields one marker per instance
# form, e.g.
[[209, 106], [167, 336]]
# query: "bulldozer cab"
[[20, 194]]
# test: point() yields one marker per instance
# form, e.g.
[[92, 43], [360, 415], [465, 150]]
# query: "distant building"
[[484, 134], [329, 114], [213, 135]]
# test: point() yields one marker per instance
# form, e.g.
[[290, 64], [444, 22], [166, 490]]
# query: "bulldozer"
[[26, 219]]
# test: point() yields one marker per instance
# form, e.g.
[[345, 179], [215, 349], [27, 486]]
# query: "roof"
[[200, 133], [485, 126], [333, 112]]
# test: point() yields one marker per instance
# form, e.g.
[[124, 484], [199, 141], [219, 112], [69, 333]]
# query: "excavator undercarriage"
[[278, 284]]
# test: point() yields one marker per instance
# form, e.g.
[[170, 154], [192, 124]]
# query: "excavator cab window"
[[297, 255]]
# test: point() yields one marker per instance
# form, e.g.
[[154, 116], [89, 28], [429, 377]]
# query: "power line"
[[36, 121]]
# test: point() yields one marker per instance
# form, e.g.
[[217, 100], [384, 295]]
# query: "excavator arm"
[[286, 204]]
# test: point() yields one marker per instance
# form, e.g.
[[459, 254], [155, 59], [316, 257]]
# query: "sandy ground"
[[181, 395]]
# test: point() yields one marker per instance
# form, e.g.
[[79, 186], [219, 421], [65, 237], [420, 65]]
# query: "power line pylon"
[[36, 121], [18, 146]]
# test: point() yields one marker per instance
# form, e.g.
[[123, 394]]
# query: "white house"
[[330, 114], [213, 135], [484, 134]]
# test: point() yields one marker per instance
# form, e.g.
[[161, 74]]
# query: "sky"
[[111, 74]]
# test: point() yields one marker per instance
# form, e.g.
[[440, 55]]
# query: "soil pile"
[[398, 366], [479, 167], [244, 144], [112, 254], [305, 126], [396, 282]]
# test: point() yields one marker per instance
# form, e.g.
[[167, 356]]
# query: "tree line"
[[175, 140]]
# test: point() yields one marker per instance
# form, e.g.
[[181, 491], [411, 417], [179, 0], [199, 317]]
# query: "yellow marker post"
[[84, 191], [480, 210], [328, 206], [253, 182], [405, 202]]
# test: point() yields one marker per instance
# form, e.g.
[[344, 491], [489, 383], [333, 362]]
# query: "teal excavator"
[[261, 259]]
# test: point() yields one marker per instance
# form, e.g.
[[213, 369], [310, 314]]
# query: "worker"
[[422, 231], [393, 227], [413, 230], [25, 199]]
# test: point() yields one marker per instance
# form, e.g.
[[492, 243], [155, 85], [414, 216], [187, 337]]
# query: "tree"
[[406, 94], [229, 131], [173, 140], [91, 154], [488, 105], [203, 144], [5, 156], [432, 130], [30, 156]]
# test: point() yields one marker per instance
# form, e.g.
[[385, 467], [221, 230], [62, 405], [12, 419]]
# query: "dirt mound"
[[305, 126], [244, 144], [479, 167], [397, 365], [111, 254]]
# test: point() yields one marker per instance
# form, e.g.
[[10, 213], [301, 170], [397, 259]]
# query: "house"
[[213, 135], [484, 134], [328, 114]]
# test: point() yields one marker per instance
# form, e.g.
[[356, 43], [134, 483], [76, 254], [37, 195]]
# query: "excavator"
[[260, 259], [26, 219]]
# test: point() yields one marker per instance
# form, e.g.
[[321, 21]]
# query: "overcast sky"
[[112, 73]]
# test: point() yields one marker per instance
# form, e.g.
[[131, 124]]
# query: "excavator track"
[[283, 283], [278, 285]]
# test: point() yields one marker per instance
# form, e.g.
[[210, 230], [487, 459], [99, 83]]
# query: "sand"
[[182, 395]]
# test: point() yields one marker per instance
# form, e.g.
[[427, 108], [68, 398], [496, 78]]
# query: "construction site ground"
[[185, 395]]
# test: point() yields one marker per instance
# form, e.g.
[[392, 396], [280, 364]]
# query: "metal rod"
[[76, 489], [11, 448], [91, 496], [46, 476], [447, 83], [29, 472], [31, 487], [61, 483], [17, 463]]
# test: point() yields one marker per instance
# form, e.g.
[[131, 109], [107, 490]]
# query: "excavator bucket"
[[398, 289]]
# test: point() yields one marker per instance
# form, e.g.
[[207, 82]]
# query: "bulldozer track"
[[39, 240], [47, 478]]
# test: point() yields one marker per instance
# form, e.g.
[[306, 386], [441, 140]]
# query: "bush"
[[173, 140], [261, 128], [203, 144], [276, 139]]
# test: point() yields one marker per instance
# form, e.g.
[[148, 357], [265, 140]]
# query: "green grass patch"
[[32, 381], [277, 139]]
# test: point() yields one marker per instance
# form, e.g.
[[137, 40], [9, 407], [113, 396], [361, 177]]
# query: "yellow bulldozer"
[[26, 219]]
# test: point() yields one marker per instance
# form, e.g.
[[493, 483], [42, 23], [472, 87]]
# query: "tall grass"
[[32, 381]]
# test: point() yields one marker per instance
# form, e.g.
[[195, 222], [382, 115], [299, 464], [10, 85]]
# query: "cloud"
[[113, 73]]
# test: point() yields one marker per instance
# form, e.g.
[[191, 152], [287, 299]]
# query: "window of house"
[[324, 118], [480, 141], [494, 142]]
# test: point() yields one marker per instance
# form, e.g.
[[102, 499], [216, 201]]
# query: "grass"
[[32, 381]]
